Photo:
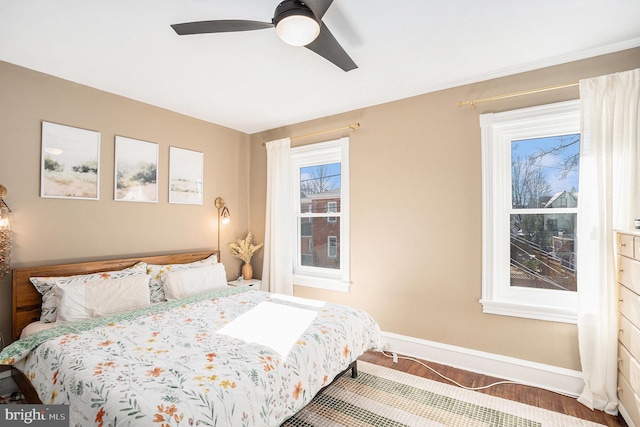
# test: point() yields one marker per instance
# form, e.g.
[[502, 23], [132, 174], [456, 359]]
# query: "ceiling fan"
[[297, 22]]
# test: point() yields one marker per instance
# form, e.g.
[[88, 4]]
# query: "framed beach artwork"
[[136, 171], [186, 169], [70, 162]]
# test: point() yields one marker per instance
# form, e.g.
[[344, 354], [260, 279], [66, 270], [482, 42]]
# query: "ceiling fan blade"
[[318, 7], [220, 26], [328, 47]]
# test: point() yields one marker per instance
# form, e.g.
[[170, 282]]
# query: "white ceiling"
[[252, 81]]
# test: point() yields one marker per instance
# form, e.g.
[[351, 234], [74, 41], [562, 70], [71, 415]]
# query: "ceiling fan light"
[[298, 30]]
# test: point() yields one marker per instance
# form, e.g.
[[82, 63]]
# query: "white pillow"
[[157, 270], [46, 286], [183, 283], [87, 300]]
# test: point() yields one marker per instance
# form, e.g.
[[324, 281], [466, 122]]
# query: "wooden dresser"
[[628, 266]]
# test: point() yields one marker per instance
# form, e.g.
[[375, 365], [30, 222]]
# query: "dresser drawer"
[[629, 400], [629, 336], [625, 245], [629, 273], [629, 306], [636, 245], [629, 368]]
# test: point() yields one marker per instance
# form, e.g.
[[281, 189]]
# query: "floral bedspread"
[[167, 365]]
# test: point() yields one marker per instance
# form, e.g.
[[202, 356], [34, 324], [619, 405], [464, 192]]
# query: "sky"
[[70, 146], [132, 151], [185, 165], [552, 164], [332, 171]]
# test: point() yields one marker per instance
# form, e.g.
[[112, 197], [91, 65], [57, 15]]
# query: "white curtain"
[[277, 274], [608, 200]]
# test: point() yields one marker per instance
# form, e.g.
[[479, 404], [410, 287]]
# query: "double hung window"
[[530, 162], [321, 211]]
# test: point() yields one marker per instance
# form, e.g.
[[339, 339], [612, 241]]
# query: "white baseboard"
[[559, 380]]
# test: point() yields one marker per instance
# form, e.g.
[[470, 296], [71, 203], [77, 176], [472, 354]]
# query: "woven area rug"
[[384, 397]]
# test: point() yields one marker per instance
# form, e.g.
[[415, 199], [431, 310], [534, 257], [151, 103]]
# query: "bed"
[[220, 356]]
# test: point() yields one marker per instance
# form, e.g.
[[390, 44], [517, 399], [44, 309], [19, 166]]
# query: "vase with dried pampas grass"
[[244, 249]]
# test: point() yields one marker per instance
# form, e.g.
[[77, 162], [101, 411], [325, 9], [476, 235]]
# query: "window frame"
[[498, 131], [336, 151]]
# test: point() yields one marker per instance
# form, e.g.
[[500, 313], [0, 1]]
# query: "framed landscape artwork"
[[136, 171], [185, 176], [70, 162]]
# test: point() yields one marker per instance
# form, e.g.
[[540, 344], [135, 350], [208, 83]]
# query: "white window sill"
[[321, 282], [552, 314]]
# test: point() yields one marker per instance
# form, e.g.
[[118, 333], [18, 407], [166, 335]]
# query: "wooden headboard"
[[27, 300]]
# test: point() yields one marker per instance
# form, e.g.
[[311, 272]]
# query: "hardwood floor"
[[525, 394]]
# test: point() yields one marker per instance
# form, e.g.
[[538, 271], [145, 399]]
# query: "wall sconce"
[[5, 233], [223, 215]]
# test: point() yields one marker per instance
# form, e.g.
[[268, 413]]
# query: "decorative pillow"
[[157, 270], [88, 300], [46, 286], [191, 281]]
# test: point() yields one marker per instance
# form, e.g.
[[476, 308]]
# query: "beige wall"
[[416, 213], [57, 230], [415, 199]]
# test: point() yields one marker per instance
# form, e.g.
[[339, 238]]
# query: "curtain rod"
[[510, 95], [353, 127]]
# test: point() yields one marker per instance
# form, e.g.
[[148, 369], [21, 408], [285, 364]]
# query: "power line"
[[540, 166], [319, 178]]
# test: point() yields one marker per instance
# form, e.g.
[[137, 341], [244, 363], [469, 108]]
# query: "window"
[[321, 210], [332, 207], [332, 246], [530, 162]]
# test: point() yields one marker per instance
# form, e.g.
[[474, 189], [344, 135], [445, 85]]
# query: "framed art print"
[[136, 171], [70, 162], [185, 176]]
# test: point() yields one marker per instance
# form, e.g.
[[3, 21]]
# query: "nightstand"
[[252, 283]]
